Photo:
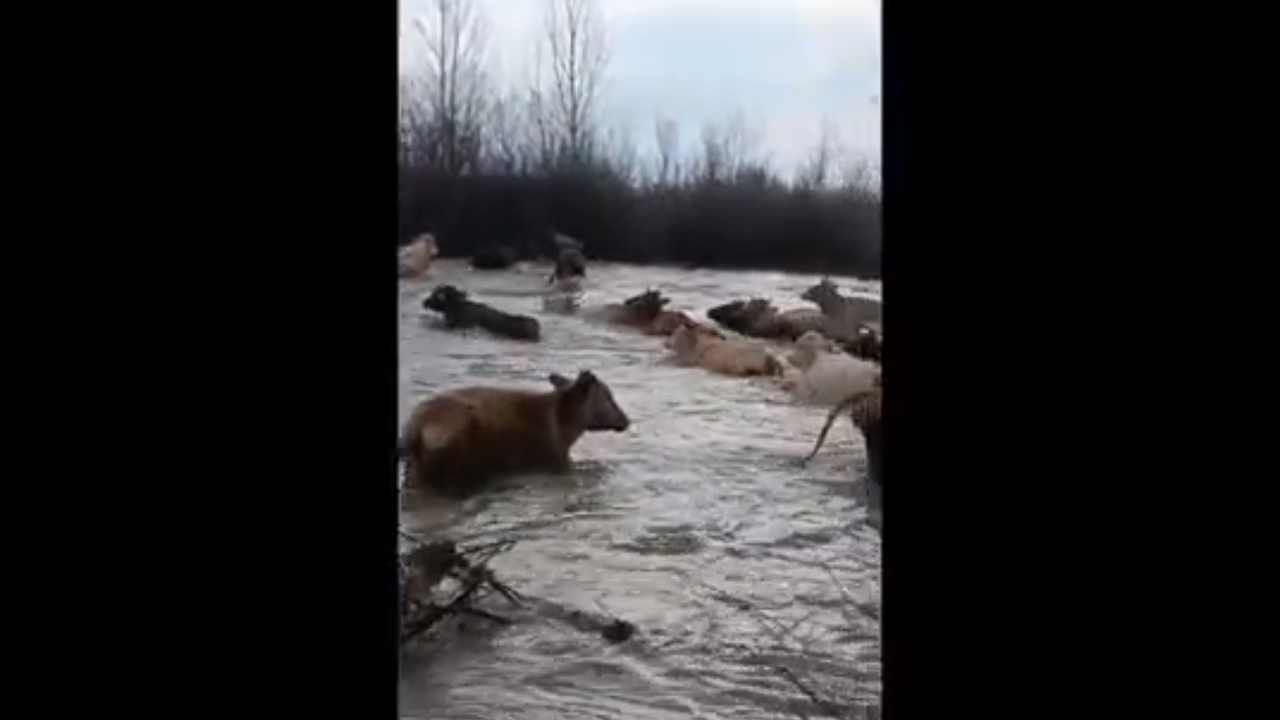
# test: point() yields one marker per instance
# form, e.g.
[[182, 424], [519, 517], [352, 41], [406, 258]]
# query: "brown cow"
[[758, 317], [456, 441], [644, 312]]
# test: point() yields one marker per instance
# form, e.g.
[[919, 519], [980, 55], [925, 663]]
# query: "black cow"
[[459, 312]]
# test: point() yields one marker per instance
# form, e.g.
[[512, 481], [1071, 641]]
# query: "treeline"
[[481, 168]]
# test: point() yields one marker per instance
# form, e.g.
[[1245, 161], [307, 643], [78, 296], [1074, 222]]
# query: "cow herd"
[[458, 440]]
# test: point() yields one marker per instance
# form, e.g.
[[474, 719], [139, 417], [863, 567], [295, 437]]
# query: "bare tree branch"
[[818, 170], [667, 135], [454, 85], [574, 36]]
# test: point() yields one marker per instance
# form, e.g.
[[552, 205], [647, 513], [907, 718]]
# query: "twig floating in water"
[[786, 672], [468, 610], [414, 538], [502, 545], [431, 563]]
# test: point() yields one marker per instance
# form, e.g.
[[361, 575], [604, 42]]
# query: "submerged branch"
[[428, 564], [784, 635], [817, 700]]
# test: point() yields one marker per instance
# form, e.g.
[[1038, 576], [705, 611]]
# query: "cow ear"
[[559, 381], [585, 381]]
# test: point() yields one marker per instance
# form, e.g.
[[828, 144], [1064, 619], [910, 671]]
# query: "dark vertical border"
[[285, 475], [1001, 406], [948, 309]]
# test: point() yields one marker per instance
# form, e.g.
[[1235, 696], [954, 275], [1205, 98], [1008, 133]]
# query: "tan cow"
[[416, 257], [824, 374], [701, 346]]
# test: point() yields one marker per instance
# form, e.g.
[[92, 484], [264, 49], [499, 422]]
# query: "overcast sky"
[[785, 64]]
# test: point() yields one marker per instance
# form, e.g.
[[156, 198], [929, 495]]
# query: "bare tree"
[[739, 145], [621, 155], [861, 178], [818, 169], [727, 151], [539, 133], [502, 152], [455, 83], [712, 166], [414, 126], [575, 40], [667, 134]]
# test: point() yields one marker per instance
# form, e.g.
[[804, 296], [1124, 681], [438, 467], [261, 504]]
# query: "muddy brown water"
[[698, 524]]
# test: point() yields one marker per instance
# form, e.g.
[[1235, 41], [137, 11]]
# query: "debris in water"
[[433, 571], [423, 572], [618, 631]]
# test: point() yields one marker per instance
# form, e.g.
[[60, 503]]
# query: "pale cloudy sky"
[[785, 64]]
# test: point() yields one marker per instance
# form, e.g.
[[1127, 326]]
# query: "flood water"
[[698, 524]]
